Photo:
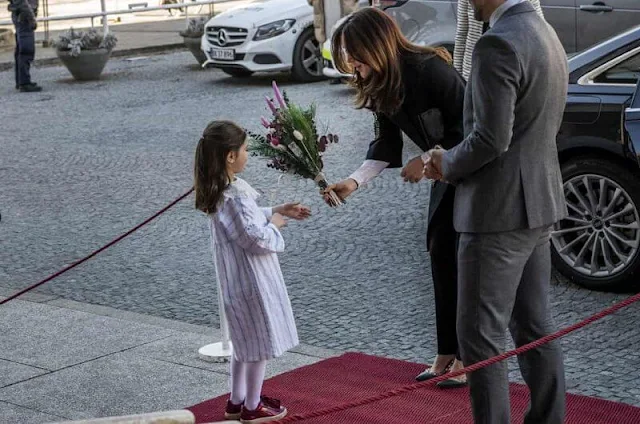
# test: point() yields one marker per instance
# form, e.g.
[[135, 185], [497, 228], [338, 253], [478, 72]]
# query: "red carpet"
[[354, 376]]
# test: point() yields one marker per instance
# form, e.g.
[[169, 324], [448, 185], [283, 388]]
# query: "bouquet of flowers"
[[292, 142]]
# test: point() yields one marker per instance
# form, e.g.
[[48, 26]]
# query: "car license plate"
[[222, 54]]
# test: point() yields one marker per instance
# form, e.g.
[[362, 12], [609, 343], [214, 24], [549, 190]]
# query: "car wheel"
[[238, 73], [597, 245], [307, 58]]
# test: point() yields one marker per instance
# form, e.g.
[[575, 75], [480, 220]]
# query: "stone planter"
[[88, 65], [7, 39], [193, 44]]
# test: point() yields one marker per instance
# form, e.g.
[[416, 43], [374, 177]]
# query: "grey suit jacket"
[[506, 169]]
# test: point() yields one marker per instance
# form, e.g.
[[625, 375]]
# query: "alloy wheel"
[[312, 58], [601, 234]]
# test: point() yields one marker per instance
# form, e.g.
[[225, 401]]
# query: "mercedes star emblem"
[[222, 37]]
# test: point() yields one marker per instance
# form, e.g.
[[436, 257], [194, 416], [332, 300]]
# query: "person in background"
[[23, 15], [468, 32], [325, 15]]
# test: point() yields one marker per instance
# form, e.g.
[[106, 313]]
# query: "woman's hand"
[[293, 210], [413, 171], [343, 189], [278, 220]]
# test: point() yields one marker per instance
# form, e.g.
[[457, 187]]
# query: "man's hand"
[[343, 189], [433, 165], [294, 211], [278, 220], [412, 172]]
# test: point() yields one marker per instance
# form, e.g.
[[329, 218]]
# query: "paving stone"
[[12, 414], [50, 339], [120, 384], [12, 372]]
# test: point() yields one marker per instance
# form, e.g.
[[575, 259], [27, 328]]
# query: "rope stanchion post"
[[220, 351]]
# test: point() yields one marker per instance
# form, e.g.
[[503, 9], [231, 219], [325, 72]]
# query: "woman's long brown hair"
[[372, 37], [210, 168]]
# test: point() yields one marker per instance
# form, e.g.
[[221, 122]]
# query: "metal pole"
[[224, 324], [45, 11], [220, 351], [186, 17], [105, 23], [120, 12]]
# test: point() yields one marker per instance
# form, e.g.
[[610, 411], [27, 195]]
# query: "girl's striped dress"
[[245, 246]]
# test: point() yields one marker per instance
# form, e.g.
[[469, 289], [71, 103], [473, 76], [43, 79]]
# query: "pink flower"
[[271, 105], [278, 94], [264, 121], [275, 141]]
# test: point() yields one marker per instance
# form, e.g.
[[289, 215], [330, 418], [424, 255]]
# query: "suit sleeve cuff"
[[446, 165]]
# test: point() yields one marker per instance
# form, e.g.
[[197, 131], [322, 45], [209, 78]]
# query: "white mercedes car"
[[264, 36]]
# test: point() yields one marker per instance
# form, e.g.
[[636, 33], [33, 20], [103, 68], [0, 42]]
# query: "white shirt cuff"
[[368, 171]]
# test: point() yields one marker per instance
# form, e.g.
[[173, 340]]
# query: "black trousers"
[[443, 246], [25, 50]]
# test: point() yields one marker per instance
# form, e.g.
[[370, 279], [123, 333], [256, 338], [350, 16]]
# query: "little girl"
[[245, 239]]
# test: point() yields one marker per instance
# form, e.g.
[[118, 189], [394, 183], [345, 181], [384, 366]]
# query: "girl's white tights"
[[246, 382]]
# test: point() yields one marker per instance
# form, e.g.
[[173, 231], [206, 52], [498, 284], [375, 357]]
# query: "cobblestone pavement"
[[82, 163]]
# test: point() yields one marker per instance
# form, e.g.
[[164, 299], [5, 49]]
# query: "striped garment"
[[468, 32], [245, 246]]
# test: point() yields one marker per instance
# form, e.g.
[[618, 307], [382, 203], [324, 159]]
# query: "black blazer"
[[430, 115]]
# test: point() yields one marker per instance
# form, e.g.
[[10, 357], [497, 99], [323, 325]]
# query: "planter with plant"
[[192, 37], [84, 53]]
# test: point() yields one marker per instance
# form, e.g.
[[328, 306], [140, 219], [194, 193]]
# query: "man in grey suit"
[[509, 193]]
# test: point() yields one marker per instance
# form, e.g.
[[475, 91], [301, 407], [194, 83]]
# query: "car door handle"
[[596, 8]]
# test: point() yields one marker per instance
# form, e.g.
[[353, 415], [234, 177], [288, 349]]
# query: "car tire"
[[237, 73], [304, 69], [591, 227]]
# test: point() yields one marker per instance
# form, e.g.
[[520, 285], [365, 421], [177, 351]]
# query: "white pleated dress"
[[245, 246]]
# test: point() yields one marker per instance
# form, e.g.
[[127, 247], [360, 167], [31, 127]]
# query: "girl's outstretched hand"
[[294, 211]]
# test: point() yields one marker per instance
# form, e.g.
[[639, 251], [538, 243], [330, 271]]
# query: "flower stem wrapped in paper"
[[292, 142]]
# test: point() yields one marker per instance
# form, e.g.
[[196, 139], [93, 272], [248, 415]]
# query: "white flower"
[[271, 131], [297, 134]]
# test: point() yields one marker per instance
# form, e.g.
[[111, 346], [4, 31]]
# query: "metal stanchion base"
[[215, 352]]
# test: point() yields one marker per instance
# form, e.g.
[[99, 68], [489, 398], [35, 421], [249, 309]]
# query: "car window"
[[625, 72]]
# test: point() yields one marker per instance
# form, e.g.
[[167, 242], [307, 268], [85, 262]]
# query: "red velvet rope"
[[105, 247], [468, 369]]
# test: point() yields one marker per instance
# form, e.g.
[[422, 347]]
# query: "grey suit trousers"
[[504, 284]]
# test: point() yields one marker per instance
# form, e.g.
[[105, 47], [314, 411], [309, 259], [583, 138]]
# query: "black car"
[[598, 244]]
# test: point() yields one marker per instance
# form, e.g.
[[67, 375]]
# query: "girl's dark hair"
[[372, 37], [210, 169]]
